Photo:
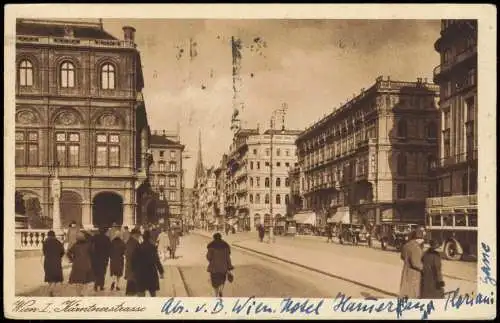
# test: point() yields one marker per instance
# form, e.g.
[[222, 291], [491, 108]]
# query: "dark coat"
[[219, 257], [101, 249], [432, 285], [173, 237], [329, 232], [130, 252], [81, 270], [262, 231], [53, 251], [117, 257], [411, 254], [146, 266]]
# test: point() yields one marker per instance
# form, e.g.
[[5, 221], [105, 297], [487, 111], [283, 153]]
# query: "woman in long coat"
[[411, 254], [147, 265], [163, 244], [432, 286], [219, 263], [53, 251], [130, 253], [81, 270], [117, 260], [174, 241], [101, 248]]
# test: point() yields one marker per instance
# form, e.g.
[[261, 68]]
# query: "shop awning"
[[305, 218], [341, 216]]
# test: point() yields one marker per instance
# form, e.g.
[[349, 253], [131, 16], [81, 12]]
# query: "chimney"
[[129, 33]]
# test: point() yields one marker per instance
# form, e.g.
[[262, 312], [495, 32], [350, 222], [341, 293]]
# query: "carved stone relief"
[[26, 117], [67, 118], [108, 120]]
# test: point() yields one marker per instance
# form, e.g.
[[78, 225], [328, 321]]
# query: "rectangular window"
[[161, 181], [162, 166], [173, 167], [102, 138], [401, 191], [74, 155], [74, 137], [161, 153], [172, 196], [114, 156], [172, 182], [102, 156], [278, 164], [114, 139], [20, 154], [61, 137], [267, 151], [33, 136], [258, 165], [172, 154], [255, 151], [61, 154], [278, 152]]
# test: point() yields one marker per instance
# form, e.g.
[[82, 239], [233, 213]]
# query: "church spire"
[[200, 169]]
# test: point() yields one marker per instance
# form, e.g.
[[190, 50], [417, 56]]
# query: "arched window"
[[402, 161], [287, 182], [278, 182], [257, 198], [250, 198], [431, 130], [278, 199], [402, 129], [251, 181], [25, 73], [266, 182], [287, 199], [67, 75], [108, 77], [267, 199]]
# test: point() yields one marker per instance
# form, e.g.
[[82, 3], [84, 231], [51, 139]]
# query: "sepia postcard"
[[250, 161]]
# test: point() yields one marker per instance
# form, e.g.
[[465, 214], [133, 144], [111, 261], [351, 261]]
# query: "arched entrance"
[[107, 208], [71, 208]]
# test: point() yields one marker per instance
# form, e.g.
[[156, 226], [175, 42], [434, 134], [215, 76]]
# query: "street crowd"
[[136, 255]]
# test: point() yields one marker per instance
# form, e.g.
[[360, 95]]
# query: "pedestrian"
[[154, 234], [329, 233], [227, 229], [101, 249], [112, 230], [130, 253], [163, 243], [117, 261], [125, 234], [262, 232], [173, 242], [219, 263], [432, 286], [71, 234], [81, 269], [411, 254], [147, 266], [53, 251]]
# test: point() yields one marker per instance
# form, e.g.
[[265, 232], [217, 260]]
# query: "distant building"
[[251, 195], [220, 193], [80, 115], [369, 161], [166, 176], [455, 189]]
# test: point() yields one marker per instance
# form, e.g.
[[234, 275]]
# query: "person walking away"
[[53, 251], [163, 245], [219, 263], [173, 239], [147, 266], [432, 286], [262, 232], [117, 261], [101, 248], [154, 234], [81, 269], [411, 254], [71, 235], [130, 253], [125, 234], [329, 233]]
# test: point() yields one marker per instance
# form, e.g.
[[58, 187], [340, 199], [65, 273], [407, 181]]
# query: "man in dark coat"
[[262, 232], [117, 260], [130, 253], [80, 256], [411, 254], [53, 251], [101, 248], [432, 286], [147, 265], [329, 233], [219, 263]]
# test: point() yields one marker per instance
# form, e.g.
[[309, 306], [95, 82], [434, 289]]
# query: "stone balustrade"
[[32, 239]]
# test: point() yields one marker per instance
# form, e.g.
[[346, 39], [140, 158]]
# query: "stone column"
[[56, 213], [128, 215], [87, 215]]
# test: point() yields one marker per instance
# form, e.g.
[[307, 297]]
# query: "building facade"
[[220, 193], [258, 185], [166, 177], [455, 170], [80, 116], [369, 160]]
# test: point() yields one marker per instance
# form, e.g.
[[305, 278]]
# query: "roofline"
[[60, 22]]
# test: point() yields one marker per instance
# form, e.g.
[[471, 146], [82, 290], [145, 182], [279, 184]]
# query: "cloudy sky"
[[312, 65]]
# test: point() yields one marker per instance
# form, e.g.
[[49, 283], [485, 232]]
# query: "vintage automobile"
[[394, 234], [353, 234]]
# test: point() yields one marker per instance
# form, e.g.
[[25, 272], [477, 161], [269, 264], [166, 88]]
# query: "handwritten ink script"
[[485, 265], [35, 306]]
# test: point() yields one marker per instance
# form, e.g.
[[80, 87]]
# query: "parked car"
[[394, 234], [354, 234]]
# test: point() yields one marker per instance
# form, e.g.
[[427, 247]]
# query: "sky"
[[312, 65]]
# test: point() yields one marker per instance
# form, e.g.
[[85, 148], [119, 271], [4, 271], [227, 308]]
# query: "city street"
[[254, 276]]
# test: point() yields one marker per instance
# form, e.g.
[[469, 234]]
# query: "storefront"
[[305, 222]]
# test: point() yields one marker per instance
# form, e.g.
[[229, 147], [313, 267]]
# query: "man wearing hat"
[[130, 264], [411, 254]]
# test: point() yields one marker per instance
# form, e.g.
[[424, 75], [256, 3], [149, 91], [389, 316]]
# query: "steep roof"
[[162, 140], [57, 29]]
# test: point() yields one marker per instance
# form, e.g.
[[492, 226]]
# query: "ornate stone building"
[[80, 115], [370, 159], [166, 176]]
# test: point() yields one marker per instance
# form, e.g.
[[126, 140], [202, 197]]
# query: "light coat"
[[411, 254], [163, 241]]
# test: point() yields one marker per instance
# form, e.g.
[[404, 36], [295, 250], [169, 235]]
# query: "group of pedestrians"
[[133, 254], [421, 276]]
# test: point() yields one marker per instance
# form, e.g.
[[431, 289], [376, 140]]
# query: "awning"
[[341, 216], [305, 218]]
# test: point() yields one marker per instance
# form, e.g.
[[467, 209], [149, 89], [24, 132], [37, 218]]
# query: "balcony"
[[456, 159], [74, 42], [452, 201], [461, 57]]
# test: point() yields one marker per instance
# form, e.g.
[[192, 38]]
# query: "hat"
[[419, 234]]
